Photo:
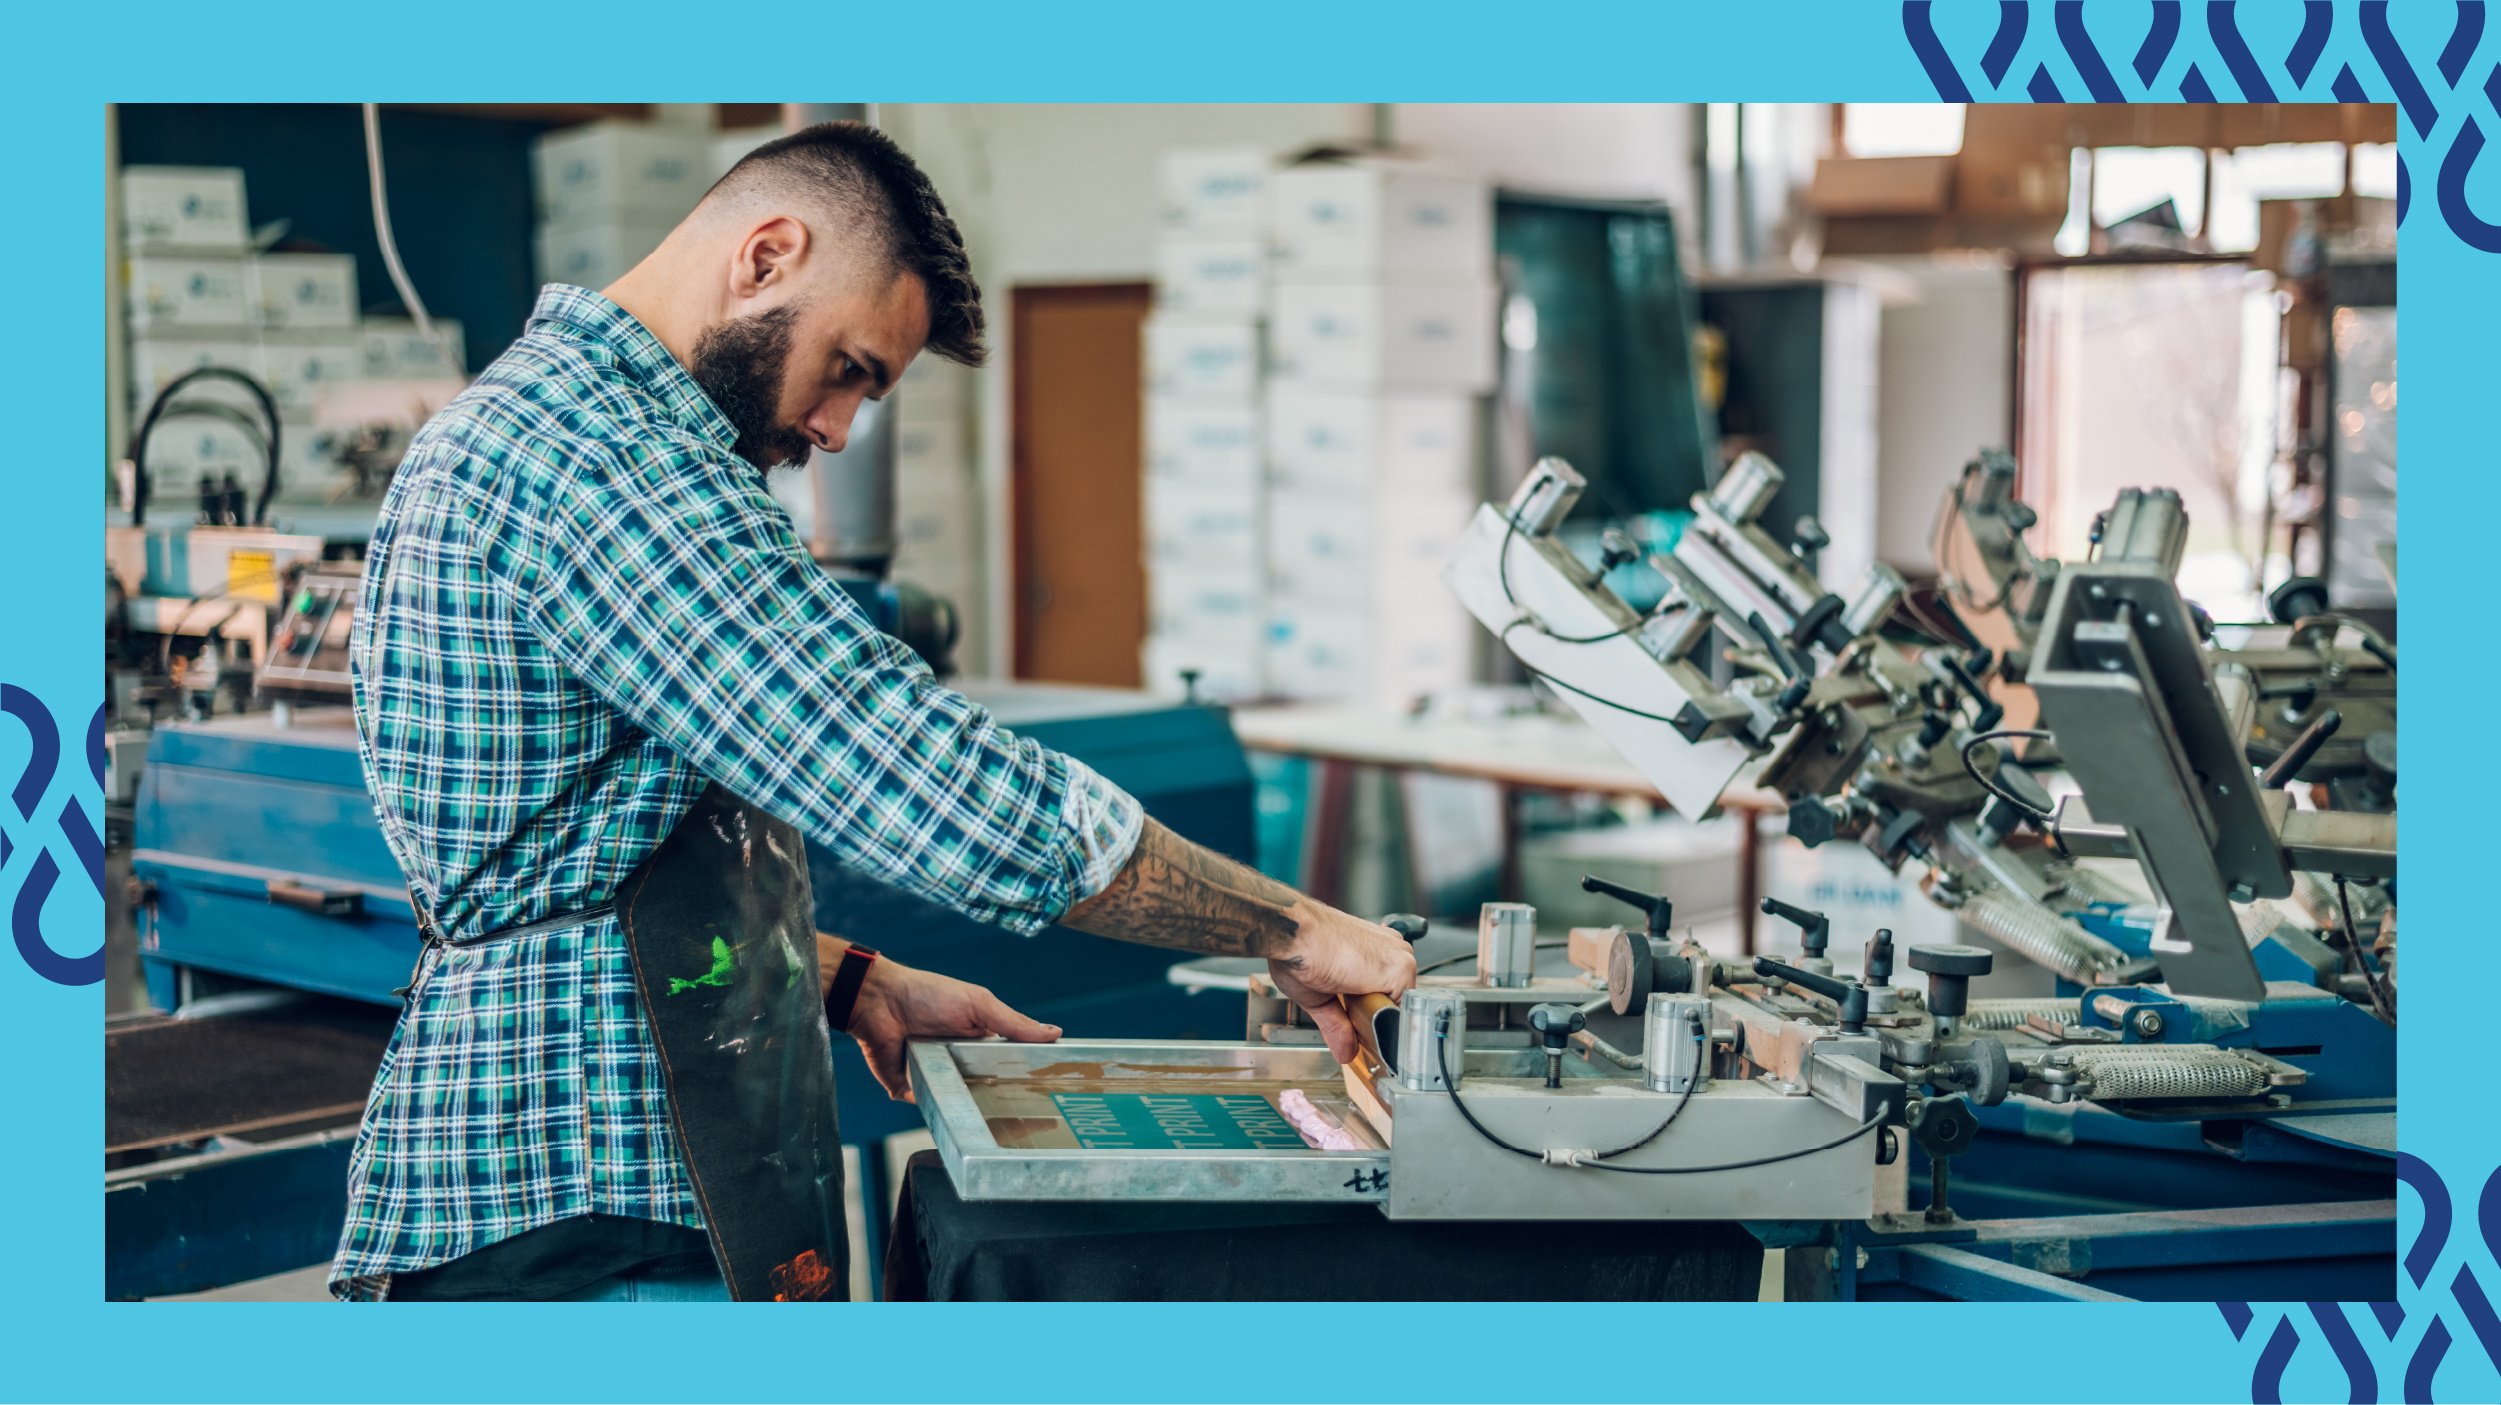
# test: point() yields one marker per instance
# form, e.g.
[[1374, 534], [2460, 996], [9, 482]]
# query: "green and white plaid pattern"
[[579, 607]]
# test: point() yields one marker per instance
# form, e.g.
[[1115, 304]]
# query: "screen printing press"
[[2204, 1109]]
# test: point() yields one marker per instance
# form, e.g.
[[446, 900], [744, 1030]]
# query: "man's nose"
[[829, 429]]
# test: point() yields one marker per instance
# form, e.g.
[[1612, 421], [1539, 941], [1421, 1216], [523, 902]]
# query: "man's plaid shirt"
[[580, 606]]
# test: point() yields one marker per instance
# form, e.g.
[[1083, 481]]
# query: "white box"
[[298, 366], [393, 349], [1381, 556], [934, 388], [1384, 335], [1211, 605], [1213, 621], [182, 447], [304, 292], [1695, 864], [1354, 443], [1216, 277], [157, 361], [727, 149], [1222, 671], [1195, 358], [935, 530], [1380, 219], [930, 450], [1205, 446], [306, 461], [1851, 887], [1387, 662], [1203, 527], [595, 255], [1216, 190], [618, 172], [177, 292], [184, 207]]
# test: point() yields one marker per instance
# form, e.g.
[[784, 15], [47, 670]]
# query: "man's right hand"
[[1173, 893], [1336, 954]]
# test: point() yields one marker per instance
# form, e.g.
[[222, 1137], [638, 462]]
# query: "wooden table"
[[1519, 754]]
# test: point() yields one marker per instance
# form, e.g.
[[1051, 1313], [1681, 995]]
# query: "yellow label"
[[252, 575]]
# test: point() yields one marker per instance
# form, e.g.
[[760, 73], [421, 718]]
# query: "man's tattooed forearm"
[[1174, 893]]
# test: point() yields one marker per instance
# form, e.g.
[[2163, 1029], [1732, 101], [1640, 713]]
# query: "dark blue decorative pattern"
[[2317, 19], [67, 825], [2078, 42], [2158, 40], [2012, 15], [1992, 74], [2393, 66], [2462, 40], [2225, 32]]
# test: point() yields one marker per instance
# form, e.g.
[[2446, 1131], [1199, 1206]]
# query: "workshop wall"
[[1944, 382]]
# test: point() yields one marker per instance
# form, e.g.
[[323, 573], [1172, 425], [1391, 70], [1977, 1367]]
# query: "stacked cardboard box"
[[609, 192], [1382, 338], [198, 295], [937, 493], [1203, 511]]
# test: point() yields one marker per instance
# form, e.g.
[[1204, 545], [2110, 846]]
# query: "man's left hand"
[[899, 1003]]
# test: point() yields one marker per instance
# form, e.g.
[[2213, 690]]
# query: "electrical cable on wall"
[[382, 229]]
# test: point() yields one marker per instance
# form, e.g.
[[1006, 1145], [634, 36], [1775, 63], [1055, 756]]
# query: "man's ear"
[[769, 257]]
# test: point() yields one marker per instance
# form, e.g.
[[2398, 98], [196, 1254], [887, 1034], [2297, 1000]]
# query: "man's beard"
[[739, 364]]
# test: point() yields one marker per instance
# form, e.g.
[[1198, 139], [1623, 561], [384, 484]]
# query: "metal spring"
[[2123, 1072], [2016, 1013], [2040, 936]]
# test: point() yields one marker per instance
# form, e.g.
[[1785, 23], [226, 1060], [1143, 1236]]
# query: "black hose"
[[142, 482]]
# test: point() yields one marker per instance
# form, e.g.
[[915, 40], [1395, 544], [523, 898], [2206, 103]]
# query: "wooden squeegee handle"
[[1375, 1017]]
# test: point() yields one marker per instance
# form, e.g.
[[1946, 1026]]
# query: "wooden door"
[[1077, 559]]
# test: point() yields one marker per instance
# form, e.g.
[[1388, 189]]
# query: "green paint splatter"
[[717, 976]]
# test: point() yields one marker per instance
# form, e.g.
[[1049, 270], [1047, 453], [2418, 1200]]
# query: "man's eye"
[[850, 368]]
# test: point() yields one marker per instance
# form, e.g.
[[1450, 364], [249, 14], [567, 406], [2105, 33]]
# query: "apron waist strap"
[[560, 922]]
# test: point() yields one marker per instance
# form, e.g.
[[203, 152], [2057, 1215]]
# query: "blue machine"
[[258, 862]]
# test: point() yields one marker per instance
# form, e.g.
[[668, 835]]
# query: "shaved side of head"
[[850, 183]]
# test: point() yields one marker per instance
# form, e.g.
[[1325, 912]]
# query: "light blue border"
[[65, 1343]]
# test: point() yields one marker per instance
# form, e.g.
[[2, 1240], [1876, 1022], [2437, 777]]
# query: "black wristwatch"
[[849, 974]]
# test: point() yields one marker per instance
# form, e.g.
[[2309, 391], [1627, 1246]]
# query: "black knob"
[[1967, 676], [2297, 598], [1849, 995], [1950, 970], [2303, 747], [2020, 517], [1812, 822], [1821, 624], [1810, 535], [1556, 1024], [1880, 957], [1189, 685], [1406, 925], [1614, 549], [1654, 907], [1814, 929], [1933, 725]]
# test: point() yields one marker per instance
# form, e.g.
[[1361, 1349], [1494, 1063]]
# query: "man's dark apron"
[[720, 925]]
